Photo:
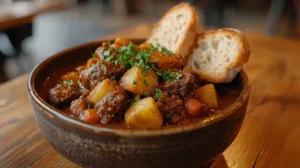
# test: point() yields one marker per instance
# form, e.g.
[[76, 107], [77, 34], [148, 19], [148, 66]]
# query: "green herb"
[[92, 69], [109, 58], [143, 55], [116, 62], [165, 51], [103, 66], [169, 75], [89, 106], [106, 53], [146, 83], [113, 78], [70, 82], [152, 48], [134, 82], [144, 72], [135, 100], [159, 73], [146, 94], [94, 55], [158, 94]]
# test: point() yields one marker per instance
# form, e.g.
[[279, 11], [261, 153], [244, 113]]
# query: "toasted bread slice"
[[177, 30], [219, 55]]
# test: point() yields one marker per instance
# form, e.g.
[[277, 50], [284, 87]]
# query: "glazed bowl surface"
[[87, 145]]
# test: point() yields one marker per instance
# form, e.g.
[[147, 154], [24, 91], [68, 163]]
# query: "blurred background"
[[32, 30]]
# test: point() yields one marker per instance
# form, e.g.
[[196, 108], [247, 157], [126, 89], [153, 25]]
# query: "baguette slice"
[[177, 30], [220, 55]]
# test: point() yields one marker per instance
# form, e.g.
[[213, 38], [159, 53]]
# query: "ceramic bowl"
[[94, 146]]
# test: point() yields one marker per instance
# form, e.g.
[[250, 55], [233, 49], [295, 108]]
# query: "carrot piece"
[[89, 115], [194, 107]]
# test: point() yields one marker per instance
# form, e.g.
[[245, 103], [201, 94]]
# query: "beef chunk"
[[182, 86], [78, 105], [111, 106], [98, 72], [64, 92], [172, 108]]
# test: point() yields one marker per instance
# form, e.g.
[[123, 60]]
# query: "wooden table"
[[20, 13], [269, 136]]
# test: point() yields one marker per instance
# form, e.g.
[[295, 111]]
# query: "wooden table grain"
[[269, 136]]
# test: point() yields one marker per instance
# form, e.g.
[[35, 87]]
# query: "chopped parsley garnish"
[[94, 55], [135, 100], [68, 82], [134, 82], [92, 69], [159, 48], [146, 94], [158, 94], [146, 83], [106, 53], [113, 78], [165, 51], [152, 48], [144, 72], [109, 58], [116, 62], [169, 75], [89, 106]]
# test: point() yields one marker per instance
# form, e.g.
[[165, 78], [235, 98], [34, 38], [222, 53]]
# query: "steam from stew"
[[143, 86]]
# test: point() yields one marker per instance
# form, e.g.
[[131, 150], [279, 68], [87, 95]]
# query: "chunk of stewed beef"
[[78, 105], [182, 86], [89, 77], [172, 108], [111, 106], [64, 92]]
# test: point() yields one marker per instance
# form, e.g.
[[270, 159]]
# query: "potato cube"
[[207, 94], [144, 114], [101, 89], [138, 83]]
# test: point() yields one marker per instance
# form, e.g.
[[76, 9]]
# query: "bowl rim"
[[66, 119]]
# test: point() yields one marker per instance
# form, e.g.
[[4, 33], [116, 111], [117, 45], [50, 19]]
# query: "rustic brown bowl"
[[93, 146]]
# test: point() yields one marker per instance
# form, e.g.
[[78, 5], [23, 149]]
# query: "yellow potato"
[[101, 90], [134, 81], [144, 114], [207, 94]]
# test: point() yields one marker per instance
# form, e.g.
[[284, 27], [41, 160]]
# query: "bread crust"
[[191, 32], [236, 65]]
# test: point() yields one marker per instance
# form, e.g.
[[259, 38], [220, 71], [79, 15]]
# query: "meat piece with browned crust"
[[182, 86], [98, 72], [64, 92], [78, 105], [111, 106], [172, 108]]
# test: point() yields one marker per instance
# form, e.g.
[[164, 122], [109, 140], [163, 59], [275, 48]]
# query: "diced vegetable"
[[101, 89], [70, 76], [144, 114], [89, 115], [90, 62], [119, 42], [207, 94], [144, 46], [165, 62], [194, 107], [137, 81]]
